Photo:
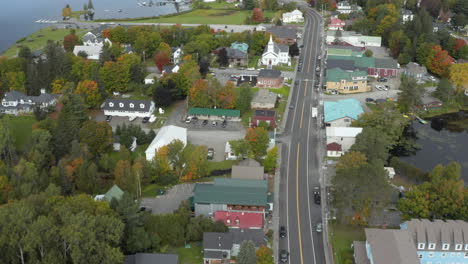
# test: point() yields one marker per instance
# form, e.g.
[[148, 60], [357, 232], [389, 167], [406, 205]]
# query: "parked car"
[[210, 154], [251, 69], [108, 118], [318, 228], [145, 120], [152, 118], [291, 106], [370, 100], [379, 87], [241, 68], [317, 198], [333, 92], [222, 68], [319, 57], [224, 124], [386, 87], [205, 122], [282, 231], [284, 255], [382, 79], [317, 69], [214, 123], [188, 120]]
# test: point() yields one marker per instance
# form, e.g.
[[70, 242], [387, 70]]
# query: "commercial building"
[[346, 82], [165, 136], [128, 108], [341, 113], [268, 78]]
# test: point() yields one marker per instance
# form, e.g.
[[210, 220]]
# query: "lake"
[[442, 140], [17, 18]]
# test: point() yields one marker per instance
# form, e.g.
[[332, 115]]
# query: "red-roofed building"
[[336, 23], [240, 219], [334, 150]]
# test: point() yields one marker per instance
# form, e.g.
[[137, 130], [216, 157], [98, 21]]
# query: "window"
[[131, 105], [420, 256], [431, 245], [121, 104], [466, 254], [421, 245], [142, 106], [458, 247], [443, 255], [111, 104], [445, 246], [466, 246], [346, 120], [431, 254]]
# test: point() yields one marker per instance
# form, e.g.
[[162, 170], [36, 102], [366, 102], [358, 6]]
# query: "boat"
[[120, 10]]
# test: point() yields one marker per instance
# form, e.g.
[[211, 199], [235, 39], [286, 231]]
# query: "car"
[[333, 92], [299, 69], [284, 255], [386, 87], [317, 198], [132, 118], [210, 154], [291, 106], [242, 68], [318, 227], [370, 100], [222, 68], [382, 79], [432, 78], [194, 120], [251, 69], [212, 74], [379, 87], [214, 123], [108, 118], [152, 118], [205, 122], [224, 124], [319, 57], [317, 69], [296, 82], [282, 231], [188, 120], [301, 46], [145, 120]]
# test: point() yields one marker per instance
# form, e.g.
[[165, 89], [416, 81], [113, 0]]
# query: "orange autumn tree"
[[89, 89], [199, 94], [226, 96], [258, 140], [197, 164], [257, 15], [439, 61]]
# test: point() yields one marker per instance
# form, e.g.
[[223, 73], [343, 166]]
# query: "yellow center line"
[[305, 88], [297, 204], [302, 114]]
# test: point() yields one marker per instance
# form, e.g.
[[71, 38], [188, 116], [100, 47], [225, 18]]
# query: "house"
[[235, 57], [268, 116], [264, 99], [430, 102], [344, 7], [294, 16], [354, 39], [114, 193], [346, 82], [418, 241], [150, 78], [275, 54], [240, 220], [215, 113], [226, 194], [170, 69], [92, 52], [151, 258], [244, 47], [90, 39], [416, 71], [406, 15], [248, 169], [220, 247], [343, 136], [334, 150], [341, 113], [285, 35], [128, 108], [176, 55], [15, 102], [336, 23], [268, 78], [165, 136]]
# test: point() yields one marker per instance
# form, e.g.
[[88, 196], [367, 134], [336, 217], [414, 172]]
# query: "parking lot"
[[214, 139], [119, 120], [166, 204]]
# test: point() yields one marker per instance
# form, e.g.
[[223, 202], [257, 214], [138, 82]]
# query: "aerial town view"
[[234, 131]]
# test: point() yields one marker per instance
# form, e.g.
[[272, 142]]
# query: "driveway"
[[119, 120], [166, 204], [214, 139]]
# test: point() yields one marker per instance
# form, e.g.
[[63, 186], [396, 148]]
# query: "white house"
[[14, 102], [128, 108], [150, 78], [406, 15], [176, 55], [344, 7], [275, 54], [343, 136], [92, 52], [293, 17], [89, 39], [165, 136]]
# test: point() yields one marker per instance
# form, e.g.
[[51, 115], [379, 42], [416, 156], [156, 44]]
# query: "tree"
[[25, 53], [125, 178], [69, 42], [244, 98], [97, 135], [240, 148], [368, 53], [204, 66], [397, 42], [66, 12], [294, 50], [338, 35], [249, 4], [351, 159], [147, 42], [223, 59], [161, 59], [458, 75], [197, 164], [226, 96], [90, 4], [91, 93], [198, 94], [444, 89], [411, 94], [247, 253], [372, 144], [439, 62], [264, 255], [257, 15], [164, 47], [258, 140], [271, 159]]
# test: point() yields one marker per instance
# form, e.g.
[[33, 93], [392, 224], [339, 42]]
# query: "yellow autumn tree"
[[458, 75]]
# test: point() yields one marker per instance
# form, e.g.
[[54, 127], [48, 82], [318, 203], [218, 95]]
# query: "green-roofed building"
[[346, 82], [113, 193], [215, 113], [344, 52], [227, 194]]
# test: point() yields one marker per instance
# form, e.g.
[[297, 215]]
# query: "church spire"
[[271, 45]]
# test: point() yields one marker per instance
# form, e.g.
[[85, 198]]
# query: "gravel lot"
[[214, 139], [166, 204]]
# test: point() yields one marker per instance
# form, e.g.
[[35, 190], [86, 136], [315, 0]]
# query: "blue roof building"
[[341, 113], [244, 47]]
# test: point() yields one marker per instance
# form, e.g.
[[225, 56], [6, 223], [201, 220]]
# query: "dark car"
[[194, 120], [296, 82], [284, 255], [382, 79], [222, 68], [145, 120], [317, 198], [210, 154], [205, 122], [291, 106], [282, 231], [370, 100], [224, 124], [108, 118]]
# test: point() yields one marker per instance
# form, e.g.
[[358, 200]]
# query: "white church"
[[275, 54]]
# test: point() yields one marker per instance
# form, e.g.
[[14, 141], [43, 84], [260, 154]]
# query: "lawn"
[[151, 190], [205, 16], [38, 39], [192, 255], [284, 91], [342, 236], [253, 61], [221, 165], [220, 5], [21, 129], [286, 67]]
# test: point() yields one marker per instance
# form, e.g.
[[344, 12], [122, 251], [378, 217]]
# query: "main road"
[[300, 168]]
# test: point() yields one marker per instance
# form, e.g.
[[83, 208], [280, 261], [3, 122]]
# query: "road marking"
[[297, 205], [302, 114], [305, 87]]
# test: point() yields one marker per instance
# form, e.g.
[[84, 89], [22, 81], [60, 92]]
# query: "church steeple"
[[271, 45]]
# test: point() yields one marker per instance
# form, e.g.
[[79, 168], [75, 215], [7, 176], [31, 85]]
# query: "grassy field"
[[341, 238], [151, 190], [192, 255], [221, 165], [205, 16], [21, 129], [38, 39], [221, 5]]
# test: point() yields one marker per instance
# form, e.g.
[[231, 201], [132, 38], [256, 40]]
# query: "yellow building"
[[346, 82]]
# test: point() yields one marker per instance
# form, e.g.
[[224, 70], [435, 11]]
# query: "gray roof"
[[235, 53], [250, 162], [264, 96], [126, 105], [386, 63], [264, 113], [360, 254], [247, 172], [277, 48], [406, 12], [210, 254], [287, 32], [390, 246], [217, 240], [414, 68], [269, 73], [168, 68], [255, 235], [18, 96], [89, 37], [346, 65], [151, 76], [151, 258]]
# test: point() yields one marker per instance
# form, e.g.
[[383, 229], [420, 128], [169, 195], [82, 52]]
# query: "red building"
[[240, 219], [269, 116], [384, 68], [269, 79]]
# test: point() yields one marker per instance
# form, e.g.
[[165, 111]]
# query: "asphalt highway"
[[300, 168]]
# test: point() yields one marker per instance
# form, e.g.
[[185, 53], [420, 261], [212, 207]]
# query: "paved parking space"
[[118, 120], [166, 204], [214, 139]]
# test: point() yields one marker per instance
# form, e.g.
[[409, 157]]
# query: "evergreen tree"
[[90, 5], [223, 59], [247, 254]]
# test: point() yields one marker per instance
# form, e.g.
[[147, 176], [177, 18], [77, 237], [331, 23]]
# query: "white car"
[[251, 69], [379, 87], [132, 118], [152, 118]]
